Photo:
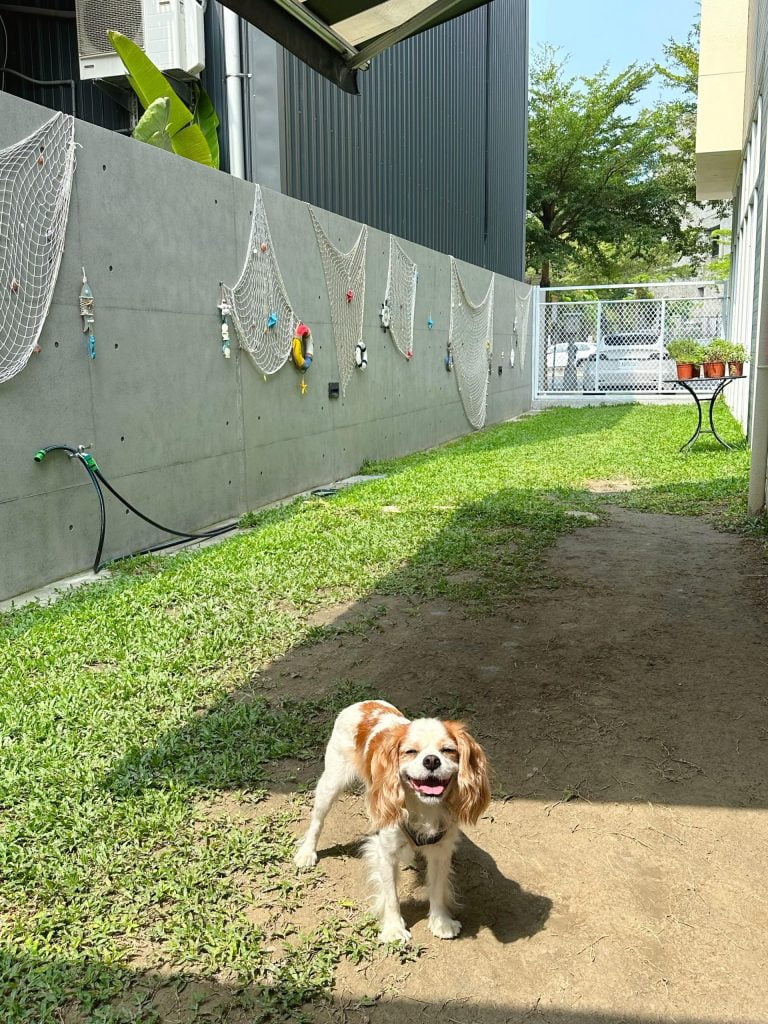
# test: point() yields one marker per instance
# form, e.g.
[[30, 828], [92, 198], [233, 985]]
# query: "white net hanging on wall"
[[523, 300], [35, 187], [400, 297], [258, 304], [345, 281], [470, 336]]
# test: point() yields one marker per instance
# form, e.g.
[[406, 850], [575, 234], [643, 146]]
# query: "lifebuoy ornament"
[[302, 348]]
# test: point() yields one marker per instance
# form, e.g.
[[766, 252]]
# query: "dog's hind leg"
[[332, 783]]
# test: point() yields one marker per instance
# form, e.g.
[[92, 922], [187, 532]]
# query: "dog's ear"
[[386, 800], [472, 794]]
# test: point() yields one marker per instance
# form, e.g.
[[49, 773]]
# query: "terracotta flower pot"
[[735, 368], [687, 371], [714, 369]]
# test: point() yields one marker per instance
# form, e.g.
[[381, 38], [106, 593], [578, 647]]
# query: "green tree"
[[605, 182]]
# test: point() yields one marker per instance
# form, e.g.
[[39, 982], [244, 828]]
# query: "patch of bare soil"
[[619, 875]]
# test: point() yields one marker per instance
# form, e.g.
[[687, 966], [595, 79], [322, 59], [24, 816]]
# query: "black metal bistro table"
[[718, 385]]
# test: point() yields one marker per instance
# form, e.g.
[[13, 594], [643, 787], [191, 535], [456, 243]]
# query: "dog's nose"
[[431, 762]]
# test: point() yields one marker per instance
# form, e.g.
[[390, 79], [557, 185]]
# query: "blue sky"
[[594, 32]]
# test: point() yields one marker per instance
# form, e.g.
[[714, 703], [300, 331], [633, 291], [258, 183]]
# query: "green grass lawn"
[[117, 730]]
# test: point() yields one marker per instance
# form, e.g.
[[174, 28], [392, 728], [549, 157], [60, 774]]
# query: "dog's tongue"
[[424, 787]]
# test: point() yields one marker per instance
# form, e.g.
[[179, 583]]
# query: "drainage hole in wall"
[[110, 268], [127, 511], [115, 344], [103, 167], [227, 423], [55, 344], [230, 483], [215, 202], [71, 526], [122, 437]]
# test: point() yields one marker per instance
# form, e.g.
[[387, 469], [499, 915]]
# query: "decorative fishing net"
[[35, 187], [258, 304], [400, 297], [470, 335], [345, 281]]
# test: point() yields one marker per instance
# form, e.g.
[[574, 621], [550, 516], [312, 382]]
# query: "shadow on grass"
[[150, 997], [484, 560]]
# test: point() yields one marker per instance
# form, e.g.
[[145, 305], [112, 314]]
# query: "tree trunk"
[[546, 281]]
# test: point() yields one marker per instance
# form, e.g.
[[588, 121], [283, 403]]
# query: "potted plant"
[[715, 355], [737, 355], [688, 355]]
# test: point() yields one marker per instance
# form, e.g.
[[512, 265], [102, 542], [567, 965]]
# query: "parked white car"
[[638, 372], [557, 354]]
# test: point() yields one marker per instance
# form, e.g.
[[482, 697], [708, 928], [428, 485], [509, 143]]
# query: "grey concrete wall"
[[187, 436]]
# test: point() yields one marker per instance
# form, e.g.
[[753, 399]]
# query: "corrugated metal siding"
[[435, 147], [213, 77], [46, 48]]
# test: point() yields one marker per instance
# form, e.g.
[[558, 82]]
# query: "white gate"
[[587, 346]]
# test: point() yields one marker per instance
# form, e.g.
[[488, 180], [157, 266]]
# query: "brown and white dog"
[[424, 778]]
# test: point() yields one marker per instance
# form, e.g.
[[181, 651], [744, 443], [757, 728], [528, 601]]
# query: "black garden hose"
[[97, 479]]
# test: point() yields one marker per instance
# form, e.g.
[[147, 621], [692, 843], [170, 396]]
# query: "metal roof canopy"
[[339, 37]]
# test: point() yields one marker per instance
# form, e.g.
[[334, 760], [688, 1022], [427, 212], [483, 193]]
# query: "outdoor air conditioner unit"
[[170, 32]]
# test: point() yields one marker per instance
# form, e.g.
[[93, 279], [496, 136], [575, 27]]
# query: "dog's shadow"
[[485, 898]]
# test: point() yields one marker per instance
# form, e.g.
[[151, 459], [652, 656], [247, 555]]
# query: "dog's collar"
[[419, 840]]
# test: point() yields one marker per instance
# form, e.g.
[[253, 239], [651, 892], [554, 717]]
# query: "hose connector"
[[40, 455]]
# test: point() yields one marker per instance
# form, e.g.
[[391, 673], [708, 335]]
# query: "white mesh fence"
[[258, 304], [470, 336], [35, 188], [620, 345], [345, 281], [400, 297]]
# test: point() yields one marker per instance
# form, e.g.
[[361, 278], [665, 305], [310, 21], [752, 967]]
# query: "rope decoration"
[[258, 304], [35, 188], [345, 281], [399, 307], [470, 337]]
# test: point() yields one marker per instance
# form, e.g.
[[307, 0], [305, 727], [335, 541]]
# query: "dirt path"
[[620, 874]]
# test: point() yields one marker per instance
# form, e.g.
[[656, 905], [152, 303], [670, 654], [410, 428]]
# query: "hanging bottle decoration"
[[361, 355], [86, 312], [448, 358], [225, 311], [350, 295], [430, 322], [271, 320]]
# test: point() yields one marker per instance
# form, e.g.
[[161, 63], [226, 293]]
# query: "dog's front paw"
[[444, 927], [394, 931], [305, 858]]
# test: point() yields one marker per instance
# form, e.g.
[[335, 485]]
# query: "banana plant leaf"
[[153, 126], [150, 84], [208, 121]]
